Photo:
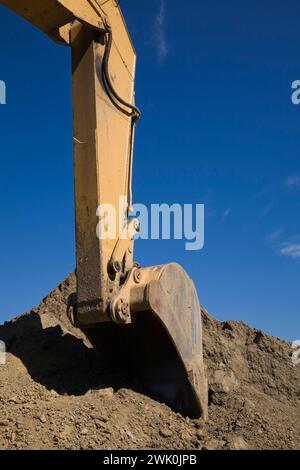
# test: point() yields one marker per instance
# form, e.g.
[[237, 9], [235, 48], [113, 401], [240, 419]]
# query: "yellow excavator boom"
[[145, 321]]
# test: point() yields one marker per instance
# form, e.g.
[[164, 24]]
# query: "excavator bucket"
[[161, 351], [146, 322]]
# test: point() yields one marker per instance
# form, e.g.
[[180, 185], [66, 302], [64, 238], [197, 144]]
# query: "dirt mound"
[[56, 394]]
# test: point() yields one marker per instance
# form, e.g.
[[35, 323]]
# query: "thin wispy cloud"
[[226, 213], [293, 182], [290, 249], [160, 33], [266, 190], [267, 208], [275, 236]]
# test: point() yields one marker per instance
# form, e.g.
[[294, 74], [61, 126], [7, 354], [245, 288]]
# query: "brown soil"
[[55, 395]]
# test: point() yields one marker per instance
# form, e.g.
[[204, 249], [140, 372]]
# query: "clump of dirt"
[[55, 394]]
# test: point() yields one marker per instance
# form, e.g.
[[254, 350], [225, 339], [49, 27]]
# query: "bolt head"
[[117, 266], [137, 276], [122, 310]]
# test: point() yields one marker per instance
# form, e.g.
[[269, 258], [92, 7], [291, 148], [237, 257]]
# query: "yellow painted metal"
[[102, 148], [50, 15], [103, 135]]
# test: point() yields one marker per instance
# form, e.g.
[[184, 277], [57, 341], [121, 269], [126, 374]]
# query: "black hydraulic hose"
[[119, 103], [135, 112], [109, 94]]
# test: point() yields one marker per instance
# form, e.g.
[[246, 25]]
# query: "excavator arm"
[[146, 322]]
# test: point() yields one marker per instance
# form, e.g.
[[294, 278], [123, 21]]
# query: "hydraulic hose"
[[135, 112], [131, 111]]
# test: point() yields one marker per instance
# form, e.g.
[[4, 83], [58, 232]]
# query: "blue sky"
[[214, 84]]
